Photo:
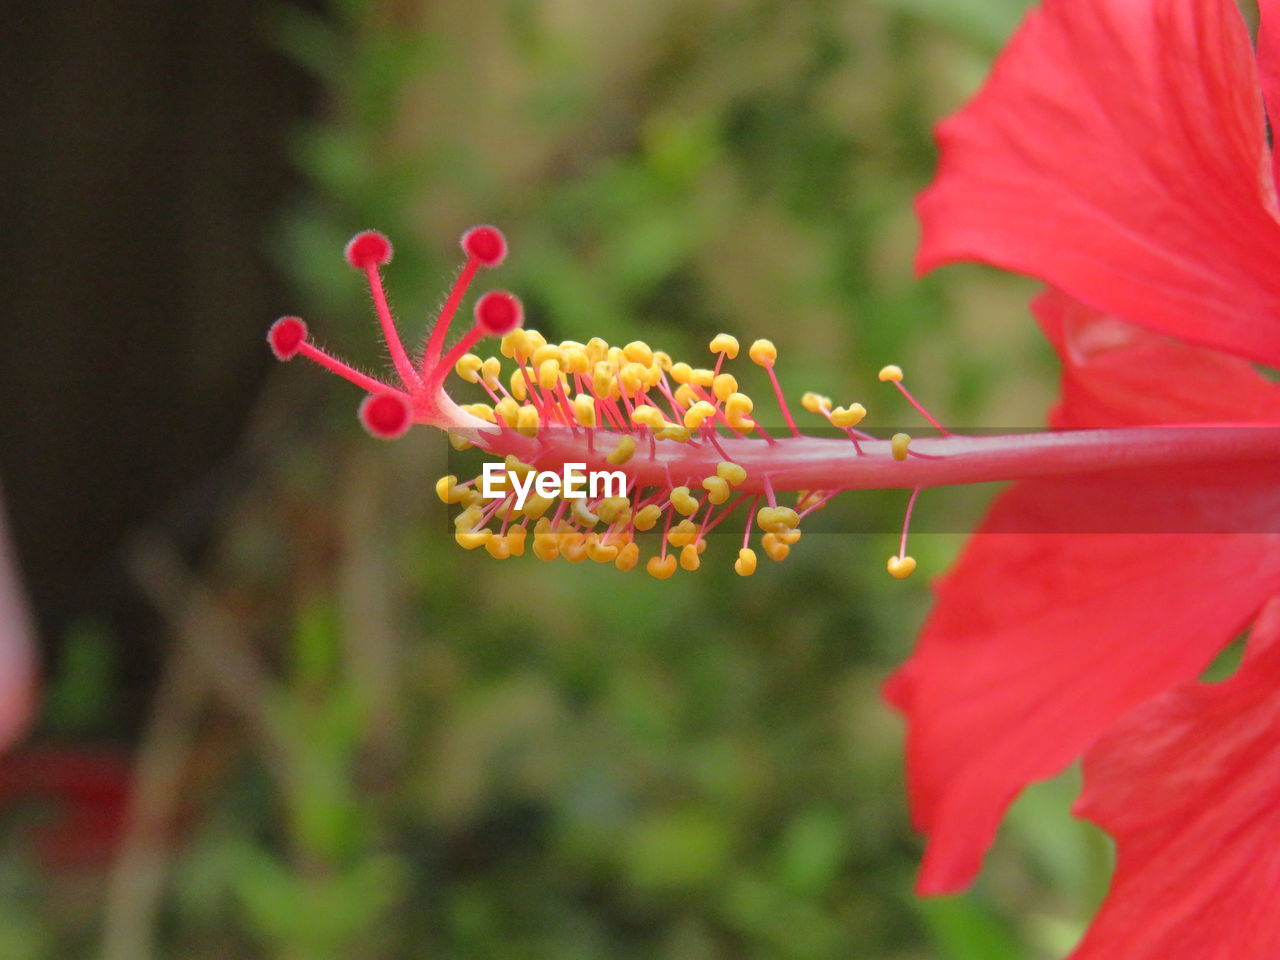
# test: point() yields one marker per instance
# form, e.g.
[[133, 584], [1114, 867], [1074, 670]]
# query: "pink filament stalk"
[[398, 356], [441, 329]]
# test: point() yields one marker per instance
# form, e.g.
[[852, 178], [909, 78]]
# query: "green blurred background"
[[359, 741]]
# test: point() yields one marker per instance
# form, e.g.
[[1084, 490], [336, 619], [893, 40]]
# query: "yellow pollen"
[[892, 372], [468, 367], [579, 510], [491, 370], [458, 442], [481, 410], [549, 374], [777, 519], [696, 414], [684, 532], [638, 351], [717, 489], [763, 352], [662, 567], [469, 540], [447, 489], [519, 385], [648, 517], [815, 402], [623, 452], [724, 386], [702, 377], [899, 444], [528, 421], [628, 557], [681, 372], [901, 567], [745, 565], [736, 475], [535, 506], [726, 344], [774, 547], [498, 547], [508, 409], [849, 416], [689, 559], [584, 410], [683, 502]]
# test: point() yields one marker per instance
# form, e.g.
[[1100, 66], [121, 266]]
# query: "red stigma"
[[286, 336], [498, 313], [486, 245], [386, 416], [368, 248]]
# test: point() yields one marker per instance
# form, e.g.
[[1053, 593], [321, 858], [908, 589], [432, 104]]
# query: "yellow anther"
[[724, 386], [514, 344], [652, 375], [574, 358], [514, 464], [616, 357], [777, 519], [516, 541], [519, 386], [701, 377], [685, 395], [689, 558], [901, 567], [673, 431], [508, 409], [535, 506], [649, 416], [633, 379], [648, 516], [717, 489], [498, 547], [683, 533], [447, 489], [468, 367], [602, 372], [735, 474], [815, 402], [681, 372], [661, 567], [490, 371], [459, 442], [597, 349], [662, 360], [584, 410], [638, 351], [683, 502], [573, 547], [548, 351], [763, 352], [736, 409], [481, 410], [548, 374], [628, 557], [469, 518], [892, 372], [601, 552], [726, 344], [534, 341], [546, 543], [775, 549], [899, 444], [697, 413], [582, 514], [614, 510], [623, 452], [470, 497], [849, 416], [528, 421], [789, 537], [470, 539], [745, 565]]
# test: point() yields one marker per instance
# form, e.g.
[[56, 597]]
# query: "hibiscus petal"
[[1040, 641], [1118, 151], [1189, 787], [1115, 374]]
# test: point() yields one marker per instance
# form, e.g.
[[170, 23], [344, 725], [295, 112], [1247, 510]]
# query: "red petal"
[[1119, 153], [1040, 641], [1189, 787], [1116, 374]]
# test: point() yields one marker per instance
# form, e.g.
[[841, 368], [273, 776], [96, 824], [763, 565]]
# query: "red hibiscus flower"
[[1119, 152]]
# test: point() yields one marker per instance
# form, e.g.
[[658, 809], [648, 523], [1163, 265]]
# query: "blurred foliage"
[[524, 760]]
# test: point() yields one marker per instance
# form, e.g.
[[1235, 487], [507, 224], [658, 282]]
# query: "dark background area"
[[144, 164]]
